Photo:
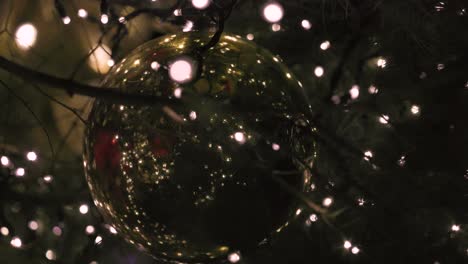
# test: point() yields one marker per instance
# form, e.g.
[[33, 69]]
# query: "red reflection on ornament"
[[160, 145], [107, 152]]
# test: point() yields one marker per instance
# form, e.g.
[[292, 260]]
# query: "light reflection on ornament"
[[26, 36], [99, 59], [273, 12]]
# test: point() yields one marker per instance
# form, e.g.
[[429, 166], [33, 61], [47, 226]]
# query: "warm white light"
[[347, 244], [66, 20], [276, 27], [122, 20], [275, 147], [5, 160], [200, 4], [250, 36], [193, 115], [181, 71], [32, 156], [84, 209], [50, 254], [82, 13], [355, 250], [368, 154], [234, 257], [325, 45], [188, 26], [313, 217], [239, 137], [384, 119], [110, 62], [354, 92], [57, 231], [4, 231], [455, 228], [16, 242], [155, 65], [306, 24], [381, 62], [178, 12], [319, 71], [48, 178], [298, 211], [33, 225], [104, 19], [89, 229], [112, 230], [415, 109], [26, 36], [327, 201], [178, 92], [20, 172], [373, 90], [273, 12], [98, 240]]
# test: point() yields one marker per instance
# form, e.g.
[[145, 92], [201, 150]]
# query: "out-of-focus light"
[[84, 208], [178, 12], [298, 211], [66, 20], [275, 147], [155, 65], [26, 36], [361, 201], [250, 36], [48, 178], [104, 19], [89, 229], [440, 66], [20, 172], [368, 155], [57, 231], [327, 202], [455, 228], [200, 4], [325, 45], [50, 255], [33, 225], [384, 119], [16, 242], [355, 250], [110, 62], [381, 62], [4, 231], [373, 90], [122, 20], [273, 12], [5, 160], [402, 161], [415, 109], [181, 71], [234, 257], [82, 13], [319, 71], [313, 217], [354, 92], [193, 115], [178, 92], [306, 24], [98, 240], [32, 156], [112, 230], [188, 26], [347, 244], [239, 137], [276, 27]]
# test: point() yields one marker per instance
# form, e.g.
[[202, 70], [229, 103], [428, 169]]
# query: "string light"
[[98, 240], [381, 62], [112, 230], [20, 172], [110, 62], [178, 12], [298, 212], [415, 109], [325, 45], [327, 202], [104, 19], [4, 231], [373, 90], [48, 178], [66, 20], [188, 26], [273, 12], [354, 92], [33, 225], [313, 217], [250, 36], [5, 161], [122, 20], [368, 155], [32, 156], [275, 147], [455, 228], [234, 257], [193, 115], [347, 244], [319, 71], [355, 250], [57, 231], [306, 24], [181, 71], [82, 13], [239, 137], [16, 242], [50, 254], [276, 27], [26, 36], [84, 209], [200, 4], [384, 119], [178, 92], [89, 230]]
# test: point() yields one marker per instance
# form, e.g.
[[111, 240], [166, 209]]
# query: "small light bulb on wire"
[[273, 12], [104, 19], [26, 36], [319, 71], [306, 24], [16, 242], [66, 20], [82, 13], [234, 257], [200, 4]]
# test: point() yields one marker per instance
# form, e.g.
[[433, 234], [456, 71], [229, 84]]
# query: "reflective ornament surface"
[[197, 179]]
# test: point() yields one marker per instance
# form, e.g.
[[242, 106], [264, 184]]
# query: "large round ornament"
[[197, 179]]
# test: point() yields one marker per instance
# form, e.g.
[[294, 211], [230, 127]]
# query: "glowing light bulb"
[[178, 12], [82, 13], [273, 12], [381, 62], [415, 109], [155, 65], [50, 255], [355, 250], [57, 231], [178, 92], [112, 230], [48, 178], [188, 26], [66, 20], [181, 71], [16, 242], [327, 202], [347, 244], [98, 240], [4, 231], [313, 217], [193, 115], [20, 172], [354, 92], [319, 71], [26, 36], [234, 257], [455, 228], [384, 119], [368, 155], [33, 225], [110, 62], [239, 137], [250, 36], [32, 156], [373, 90], [200, 4], [84, 209], [89, 229], [325, 45], [275, 147], [298, 211], [5, 161], [104, 19], [306, 24], [276, 27], [122, 20]]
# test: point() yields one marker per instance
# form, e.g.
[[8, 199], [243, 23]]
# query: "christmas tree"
[[224, 131]]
